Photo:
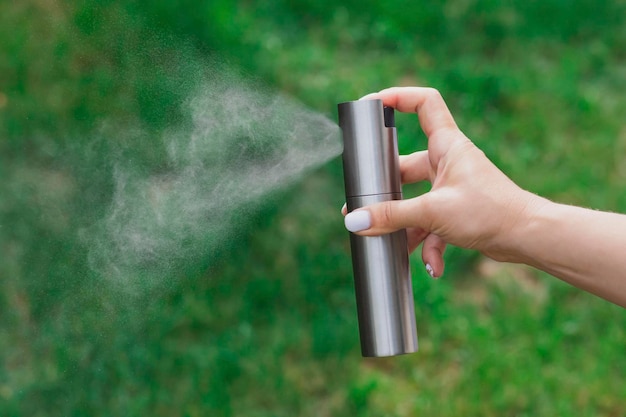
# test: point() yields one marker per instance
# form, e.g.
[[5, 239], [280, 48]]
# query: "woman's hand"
[[471, 204]]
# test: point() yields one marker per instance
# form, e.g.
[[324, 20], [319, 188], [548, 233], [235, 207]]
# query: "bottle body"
[[380, 263]]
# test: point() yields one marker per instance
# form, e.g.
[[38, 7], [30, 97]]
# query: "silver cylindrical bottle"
[[382, 277]]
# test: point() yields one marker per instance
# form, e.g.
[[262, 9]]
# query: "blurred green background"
[[265, 325]]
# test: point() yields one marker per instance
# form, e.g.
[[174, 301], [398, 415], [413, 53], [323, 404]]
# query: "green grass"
[[265, 324]]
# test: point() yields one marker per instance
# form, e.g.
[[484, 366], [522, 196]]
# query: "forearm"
[[583, 247]]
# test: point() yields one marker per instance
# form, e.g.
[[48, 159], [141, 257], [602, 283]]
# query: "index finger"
[[426, 102]]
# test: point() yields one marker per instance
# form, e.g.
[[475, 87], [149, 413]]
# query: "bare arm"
[[472, 204], [586, 248]]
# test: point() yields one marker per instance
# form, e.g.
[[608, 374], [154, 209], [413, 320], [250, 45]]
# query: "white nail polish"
[[358, 220], [430, 270]]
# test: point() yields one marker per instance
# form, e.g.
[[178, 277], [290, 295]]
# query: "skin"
[[472, 204]]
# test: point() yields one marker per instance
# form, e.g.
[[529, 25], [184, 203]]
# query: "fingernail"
[[358, 220], [344, 208], [430, 271]]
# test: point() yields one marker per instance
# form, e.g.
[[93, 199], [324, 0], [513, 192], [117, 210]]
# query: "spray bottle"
[[382, 277]]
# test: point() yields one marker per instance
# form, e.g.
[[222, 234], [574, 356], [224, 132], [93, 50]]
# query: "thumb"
[[389, 216]]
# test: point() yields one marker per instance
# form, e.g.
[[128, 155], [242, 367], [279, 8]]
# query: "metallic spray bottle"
[[382, 277]]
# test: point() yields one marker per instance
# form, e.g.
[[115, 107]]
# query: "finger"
[[415, 167], [415, 236], [389, 216], [426, 102], [344, 209], [432, 255]]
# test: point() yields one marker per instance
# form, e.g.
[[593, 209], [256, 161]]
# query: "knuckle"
[[433, 94], [388, 214]]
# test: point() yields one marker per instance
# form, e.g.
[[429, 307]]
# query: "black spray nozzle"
[[390, 117]]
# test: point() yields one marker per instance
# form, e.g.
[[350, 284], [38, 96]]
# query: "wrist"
[[515, 243]]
